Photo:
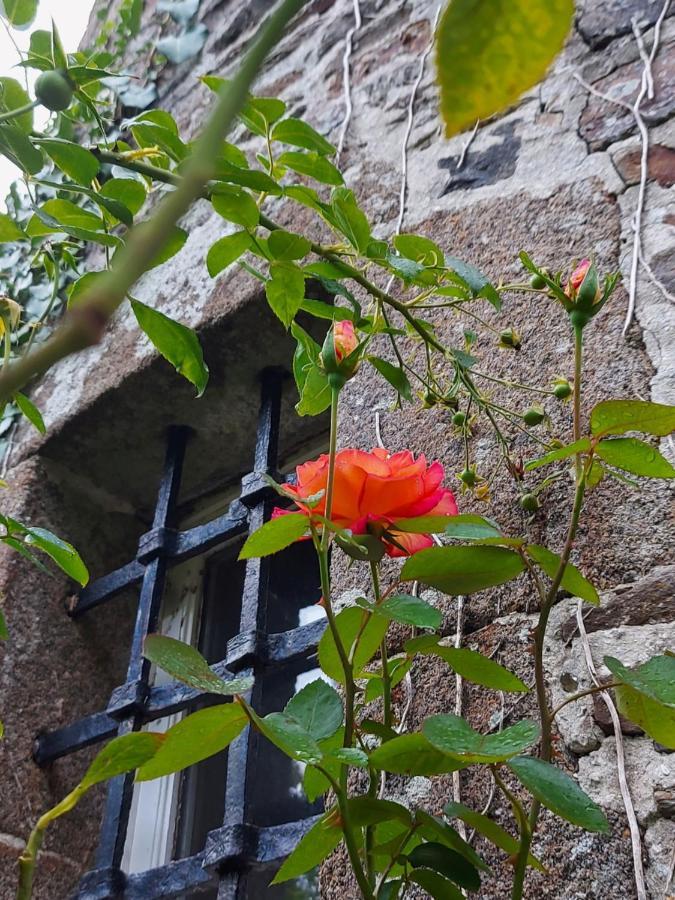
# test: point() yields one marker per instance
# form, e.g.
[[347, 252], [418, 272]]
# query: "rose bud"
[[339, 354], [584, 291]]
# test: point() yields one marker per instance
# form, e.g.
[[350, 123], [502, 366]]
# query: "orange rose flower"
[[373, 490]]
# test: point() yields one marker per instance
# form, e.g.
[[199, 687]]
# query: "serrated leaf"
[[436, 885], [580, 446], [351, 629], [350, 218], [635, 456], [64, 555], [77, 163], [410, 610], [618, 416], [470, 527], [318, 708], [489, 53], [394, 375], [647, 696], [478, 283], [572, 580], [186, 664], [475, 667], [453, 735], [194, 738], [315, 846], [286, 245], [176, 342], [447, 862], [311, 164], [10, 231], [490, 830], [275, 535], [462, 570], [299, 134], [285, 290], [236, 205], [122, 754], [226, 250], [413, 754], [559, 793]]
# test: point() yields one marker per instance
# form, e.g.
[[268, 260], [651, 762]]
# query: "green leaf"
[[312, 164], [435, 829], [300, 134], [436, 885], [413, 754], [177, 343], [369, 811], [4, 634], [478, 668], [157, 136], [236, 205], [490, 830], [10, 231], [13, 96], [122, 754], [194, 738], [285, 290], [350, 627], [420, 249], [319, 842], [275, 535], [394, 375], [287, 245], [350, 218], [479, 284], [54, 214], [453, 735], [410, 610], [635, 456], [580, 446], [58, 53], [647, 696], [559, 793], [423, 524], [16, 146], [318, 708], [127, 191], [618, 416], [30, 411], [186, 664], [315, 783], [489, 53], [470, 527], [19, 13], [172, 244], [286, 733], [316, 394], [432, 855], [66, 557], [226, 250], [77, 163], [462, 570], [572, 580]]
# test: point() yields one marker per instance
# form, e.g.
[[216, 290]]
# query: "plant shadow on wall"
[[367, 505]]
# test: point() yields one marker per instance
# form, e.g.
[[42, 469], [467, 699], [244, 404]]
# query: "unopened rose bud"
[[583, 289], [339, 356]]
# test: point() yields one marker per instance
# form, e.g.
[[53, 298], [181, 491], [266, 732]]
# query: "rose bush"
[[374, 490]]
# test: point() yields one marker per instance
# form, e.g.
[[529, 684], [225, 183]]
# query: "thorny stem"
[[84, 326], [545, 715]]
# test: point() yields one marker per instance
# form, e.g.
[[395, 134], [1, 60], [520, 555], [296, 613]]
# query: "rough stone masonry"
[[557, 175]]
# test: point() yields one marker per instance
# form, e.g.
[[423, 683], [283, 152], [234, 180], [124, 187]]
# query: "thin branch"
[[620, 760]]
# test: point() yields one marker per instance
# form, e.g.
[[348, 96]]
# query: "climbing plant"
[[87, 182]]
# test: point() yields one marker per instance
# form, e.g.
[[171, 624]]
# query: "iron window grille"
[[239, 852]]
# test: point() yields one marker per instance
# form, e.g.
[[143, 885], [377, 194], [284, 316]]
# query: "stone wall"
[[558, 175]]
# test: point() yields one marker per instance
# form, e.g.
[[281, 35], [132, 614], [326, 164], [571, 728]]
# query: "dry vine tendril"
[[338, 500]]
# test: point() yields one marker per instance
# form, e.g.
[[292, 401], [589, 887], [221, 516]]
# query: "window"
[[222, 827]]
